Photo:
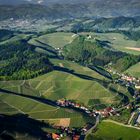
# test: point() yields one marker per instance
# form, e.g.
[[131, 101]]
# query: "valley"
[[69, 70], [87, 86]]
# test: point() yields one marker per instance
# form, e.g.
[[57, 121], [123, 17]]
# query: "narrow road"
[[92, 128]]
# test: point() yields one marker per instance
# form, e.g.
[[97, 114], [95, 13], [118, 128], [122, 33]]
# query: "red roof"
[[55, 136], [76, 137], [108, 109]]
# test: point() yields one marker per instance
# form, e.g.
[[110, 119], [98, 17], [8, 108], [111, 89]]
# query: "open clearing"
[[64, 122]]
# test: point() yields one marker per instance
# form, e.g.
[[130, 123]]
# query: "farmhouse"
[[76, 137], [61, 102], [55, 136], [109, 111]]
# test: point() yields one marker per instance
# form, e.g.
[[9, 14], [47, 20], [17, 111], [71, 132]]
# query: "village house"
[[76, 137], [109, 111], [61, 102], [55, 136]]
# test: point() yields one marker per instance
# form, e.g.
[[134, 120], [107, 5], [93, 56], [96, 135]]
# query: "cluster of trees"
[[105, 24], [127, 61], [18, 60], [93, 53], [5, 34]]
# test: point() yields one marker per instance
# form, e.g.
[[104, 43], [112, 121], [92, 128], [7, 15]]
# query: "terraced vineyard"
[[75, 82], [38, 110], [56, 40], [92, 88]]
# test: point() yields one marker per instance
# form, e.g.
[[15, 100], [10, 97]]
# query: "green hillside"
[[88, 51], [112, 131], [58, 39], [73, 82], [38, 110], [116, 40], [134, 70]]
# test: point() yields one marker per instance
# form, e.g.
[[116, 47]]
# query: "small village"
[[124, 80], [109, 111], [129, 81], [77, 134]]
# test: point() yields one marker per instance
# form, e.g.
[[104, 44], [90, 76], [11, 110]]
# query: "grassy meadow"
[[113, 131]]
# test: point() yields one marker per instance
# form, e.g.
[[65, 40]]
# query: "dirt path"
[[121, 124], [40, 83], [32, 112], [133, 114], [61, 65], [133, 48], [65, 122], [14, 107]]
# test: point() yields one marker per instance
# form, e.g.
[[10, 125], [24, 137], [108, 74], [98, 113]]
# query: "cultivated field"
[[40, 111], [78, 83], [56, 40]]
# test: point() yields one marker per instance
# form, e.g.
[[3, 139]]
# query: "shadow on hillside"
[[105, 84], [85, 77], [48, 47], [101, 71], [39, 99], [104, 43], [23, 125]]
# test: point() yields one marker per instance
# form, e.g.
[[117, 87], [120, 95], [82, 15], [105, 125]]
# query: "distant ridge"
[[77, 8]]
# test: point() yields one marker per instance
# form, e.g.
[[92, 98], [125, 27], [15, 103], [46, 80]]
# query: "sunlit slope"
[[117, 41], [13, 104], [55, 40], [78, 83]]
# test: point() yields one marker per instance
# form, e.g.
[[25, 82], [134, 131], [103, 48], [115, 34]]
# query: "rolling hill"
[[91, 51], [65, 82], [71, 9]]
